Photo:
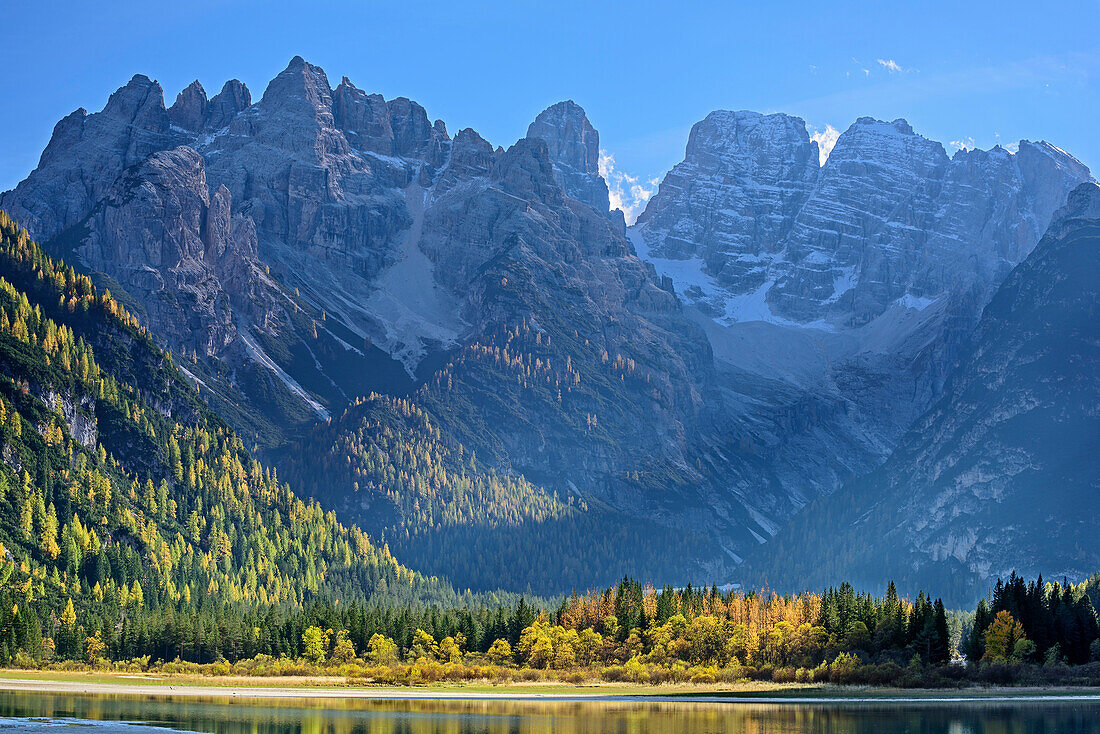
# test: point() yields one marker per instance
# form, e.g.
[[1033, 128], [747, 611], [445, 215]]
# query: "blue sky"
[[977, 72]]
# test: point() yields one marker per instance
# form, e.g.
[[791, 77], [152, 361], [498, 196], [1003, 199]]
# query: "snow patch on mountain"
[[258, 354], [414, 312]]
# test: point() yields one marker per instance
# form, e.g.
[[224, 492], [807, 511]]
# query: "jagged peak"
[[898, 125], [135, 94], [348, 84], [299, 79], [471, 155], [223, 106], [195, 88], [571, 139], [189, 109], [469, 136], [235, 86]]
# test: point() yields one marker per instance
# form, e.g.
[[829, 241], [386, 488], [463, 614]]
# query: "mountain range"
[[1001, 474], [459, 348]]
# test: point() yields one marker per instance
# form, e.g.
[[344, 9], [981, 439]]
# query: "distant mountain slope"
[[387, 465], [836, 296], [1003, 472], [115, 476]]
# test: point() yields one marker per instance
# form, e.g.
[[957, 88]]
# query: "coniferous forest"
[[139, 533]]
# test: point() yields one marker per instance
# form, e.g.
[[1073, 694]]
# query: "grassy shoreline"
[[332, 687]]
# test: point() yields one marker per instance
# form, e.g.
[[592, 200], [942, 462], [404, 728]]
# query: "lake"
[[54, 712]]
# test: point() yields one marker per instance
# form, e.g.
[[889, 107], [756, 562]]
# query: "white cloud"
[[963, 144], [891, 66], [626, 192], [826, 139]]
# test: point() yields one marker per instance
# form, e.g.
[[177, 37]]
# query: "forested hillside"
[[386, 464], [123, 498]]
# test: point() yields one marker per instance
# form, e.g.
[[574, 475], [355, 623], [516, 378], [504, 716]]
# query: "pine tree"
[[940, 652]]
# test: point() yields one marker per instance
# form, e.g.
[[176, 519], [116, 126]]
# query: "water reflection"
[[334, 716]]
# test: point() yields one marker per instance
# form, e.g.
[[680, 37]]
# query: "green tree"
[[343, 650], [315, 643], [500, 652], [381, 650]]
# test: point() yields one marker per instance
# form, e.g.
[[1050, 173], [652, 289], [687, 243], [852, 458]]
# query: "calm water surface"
[[58, 713]]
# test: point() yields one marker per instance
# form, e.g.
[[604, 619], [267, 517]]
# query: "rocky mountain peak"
[[875, 142], [398, 128], [227, 104], [189, 110], [85, 155], [413, 135], [526, 171], [301, 87], [138, 93], [900, 124], [752, 172], [570, 138], [471, 157], [574, 149], [723, 132], [363, 118]]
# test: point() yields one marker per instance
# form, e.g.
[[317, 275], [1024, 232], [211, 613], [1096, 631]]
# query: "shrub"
[[703, 673]]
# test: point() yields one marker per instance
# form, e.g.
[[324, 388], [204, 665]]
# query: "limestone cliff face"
[[574, 148], [177, 248], [888, 218], [86, 154], [1001, 474], [838, 297]]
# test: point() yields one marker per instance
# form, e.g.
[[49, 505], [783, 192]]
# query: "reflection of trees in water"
[[354, 716]]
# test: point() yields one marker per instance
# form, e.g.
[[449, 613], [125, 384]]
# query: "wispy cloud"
[[892, 66], [963, 144], [626, 192], [826, 139]]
